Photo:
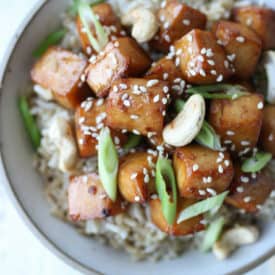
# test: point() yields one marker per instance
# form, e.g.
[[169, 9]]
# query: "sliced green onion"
[[213, 203], [179, 104], [207, 137], [230, 91], [108, 163], [74, 7], [133, 141], [52, 39], [256, 163], [212, 234], [167, 189], [87, 18], [29, 122]]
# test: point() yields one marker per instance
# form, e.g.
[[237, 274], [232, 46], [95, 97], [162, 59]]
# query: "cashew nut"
[[61, 134], [144, 22], [269, 63], [234, 238], [186, 126]]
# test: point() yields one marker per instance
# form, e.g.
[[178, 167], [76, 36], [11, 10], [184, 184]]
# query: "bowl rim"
[[23, 214]]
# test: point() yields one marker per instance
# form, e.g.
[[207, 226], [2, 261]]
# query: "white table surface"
[[20, 252]]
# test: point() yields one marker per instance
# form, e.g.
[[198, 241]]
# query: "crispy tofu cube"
[[259, 19], [176, 19], [122, 58], [241, 44], [267, 138], [238, 122], [108, 20], [137, 105], [135, 178], [60, 71], [165, 69], [87, 199], [90, 117], [249, 192], [202, 172], [187, 227], [202, 60]]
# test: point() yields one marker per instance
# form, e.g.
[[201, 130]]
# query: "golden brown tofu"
[[136, 177], [90, 117], [259, 19], [242, 44], [137, 105], [109, 21], [122, 58], [238, 122], [61, 71], [249, 191], [176, 19], [187, 227], [165, 69], [267, 138], [202, 172], [87, 199], [202, 60]]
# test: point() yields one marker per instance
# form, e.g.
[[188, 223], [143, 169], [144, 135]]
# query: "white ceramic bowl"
[[26, 188]]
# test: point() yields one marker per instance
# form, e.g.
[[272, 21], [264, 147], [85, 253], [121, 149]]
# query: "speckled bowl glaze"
[[26, 188]]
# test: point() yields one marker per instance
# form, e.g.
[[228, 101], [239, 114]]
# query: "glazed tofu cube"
[[121, 58], [267, 138], [238, 122], [176, 20], [137, 105], [108, 20], [90, 118], [165, 69], [241, 44], [187, 227], [136, 177], [249, 191], [202, 60], [87, 199], [202, 172], [61, 72], [259, 19]]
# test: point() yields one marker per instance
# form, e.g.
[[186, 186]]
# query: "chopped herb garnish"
[[74, 7], [108, 163], [212, 233], [133, 141], [227, 91], [29, 122], [179, 104], [167, 189], [213, 204], [256, 163], [52, 39]]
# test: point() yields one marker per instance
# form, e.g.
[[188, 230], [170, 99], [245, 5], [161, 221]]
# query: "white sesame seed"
[[164, 101], [117, 140], [186, 22], [211, 191], [219, 78], [240, 189], [227, 163], [165, 89], [245, 143], [211, 62], [156, 98], [230, 133], [253, 175], [137, 198], [165, 76], [231, 57], [213, 72], [220, 169], [195, 167], [204, 180], [164, 113], [244, 179], [247, 199], [154, 196], [134, 117], [100, 102], [202, 192], [203, 51], [260, 105], [177, 61], [270, 137], [202, 72], [146, 178], [166, 25], [227, 141], [240, 39], [127, 103], [209, 179], [136, 132], [81, 120], [152, 82]]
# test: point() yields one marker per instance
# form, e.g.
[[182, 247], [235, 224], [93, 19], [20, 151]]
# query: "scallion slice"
[[87, 18], [256, 163], [133, 141], [213, 203], [108, 163], [29, 122], [229, 91], [52, 39], [212, 233], [74, 7], [167, 189], [207, 137], [179, 104]]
